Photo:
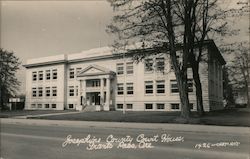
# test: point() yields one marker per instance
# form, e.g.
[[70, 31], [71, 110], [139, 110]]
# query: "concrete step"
[[89, 108]]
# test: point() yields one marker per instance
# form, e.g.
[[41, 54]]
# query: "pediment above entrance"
[[94, 70]]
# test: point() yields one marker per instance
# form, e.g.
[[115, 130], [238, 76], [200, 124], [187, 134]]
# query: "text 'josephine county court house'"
[[97, 79]]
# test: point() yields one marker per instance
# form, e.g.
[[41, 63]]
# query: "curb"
[[155, 126]]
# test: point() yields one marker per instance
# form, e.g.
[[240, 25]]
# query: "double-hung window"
[[120, 89], [160, 85], [130, 88], [120, 68], [160, 64], [129, 68], [149, 89]]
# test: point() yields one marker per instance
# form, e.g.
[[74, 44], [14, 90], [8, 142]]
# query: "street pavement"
[[44, 139]]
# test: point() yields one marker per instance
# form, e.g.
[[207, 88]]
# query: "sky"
[[34, 29]]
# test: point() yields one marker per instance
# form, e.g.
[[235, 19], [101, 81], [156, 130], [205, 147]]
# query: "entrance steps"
[[89, 108]]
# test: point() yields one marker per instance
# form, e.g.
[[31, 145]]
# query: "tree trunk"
[[199, 99], [184, 101]]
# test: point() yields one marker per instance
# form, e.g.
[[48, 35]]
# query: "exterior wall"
[[210, 75], [215, 82], [59, 100]]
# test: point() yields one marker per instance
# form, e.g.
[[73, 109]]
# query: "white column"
[[106, 107], [79, 93], [84, 100], [102, 93]]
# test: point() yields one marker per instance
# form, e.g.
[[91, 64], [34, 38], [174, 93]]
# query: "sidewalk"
[[42, 115], [166, 127]]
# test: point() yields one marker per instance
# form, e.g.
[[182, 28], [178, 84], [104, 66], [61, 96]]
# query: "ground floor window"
[[160, 106], [119, 106], [53, 105], [33, 105], [46, 105], [175, 106], [129, 106], [149, 106], [71, 106], [39, 106], [191, 106]]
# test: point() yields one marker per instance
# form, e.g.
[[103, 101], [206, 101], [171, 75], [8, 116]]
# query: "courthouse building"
[[98, 79]]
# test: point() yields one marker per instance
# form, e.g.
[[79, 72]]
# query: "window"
[[53, 105], [34, 76], [191, 106], [40, 74], [148, 65], [120, 88], [34, 92], [129, 106], [190, 85], [175, 106], [47, 90], [129, 68], [148, 106], [71, 90], [33, 105], [95, 83], [130, 88], [119, 106], [39, 106], [71, 73], [160, 64], [174, 87], [71, 106], [46, 105], [54, 73], [47, 74], [160, 85], [54, 91], [149, 87], [120, 68], [160, 106], [40, 91]]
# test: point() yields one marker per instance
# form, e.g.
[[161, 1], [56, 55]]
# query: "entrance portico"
[[95, 88]]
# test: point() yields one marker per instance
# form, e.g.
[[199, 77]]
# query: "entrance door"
[[95, 98]]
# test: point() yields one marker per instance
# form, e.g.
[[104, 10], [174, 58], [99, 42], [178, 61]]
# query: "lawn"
[[230, 117], [9, 114]]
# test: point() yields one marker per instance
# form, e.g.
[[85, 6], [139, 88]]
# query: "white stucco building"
[[97, 79]]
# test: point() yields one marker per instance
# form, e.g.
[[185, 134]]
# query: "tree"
[[9, 64], [185, 22], [227, 88], [239, 68], [157, 22]]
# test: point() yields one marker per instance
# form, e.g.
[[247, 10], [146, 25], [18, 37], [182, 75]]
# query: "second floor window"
[[120, 69]]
